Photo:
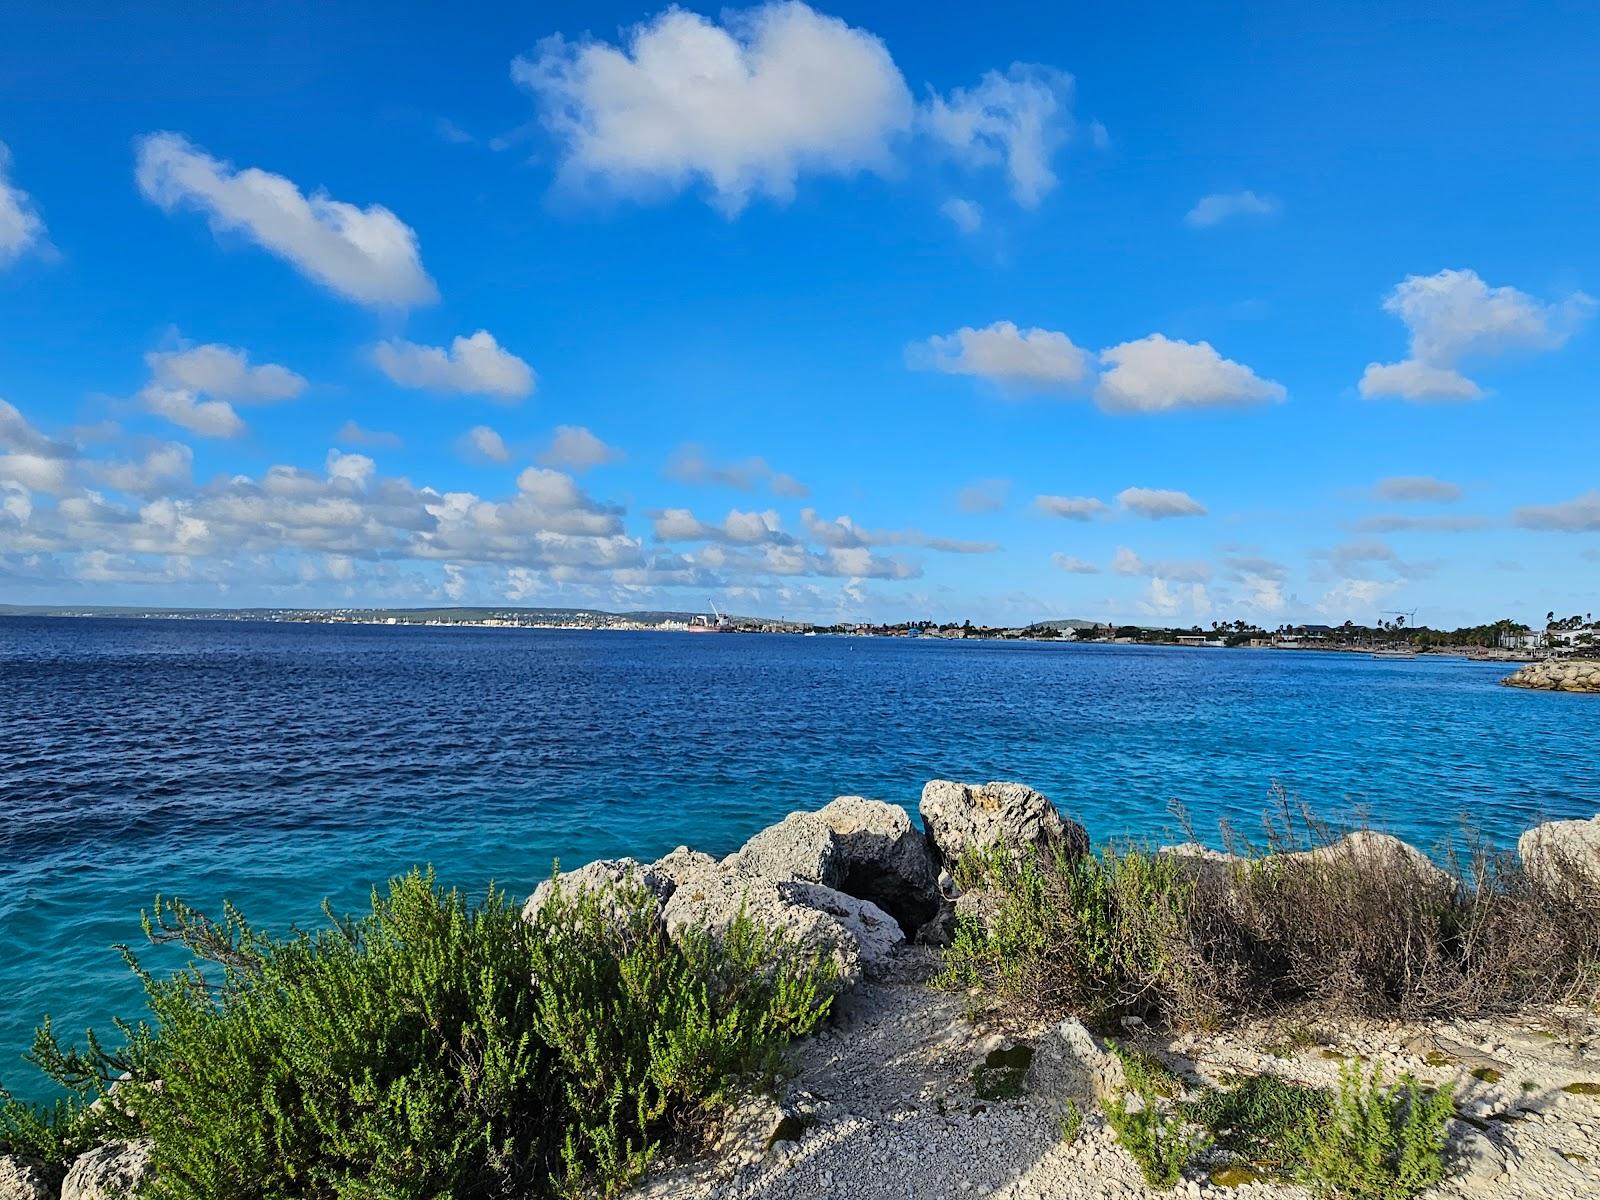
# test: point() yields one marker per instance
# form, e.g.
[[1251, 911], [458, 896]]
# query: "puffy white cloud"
[[692, 464], [1581, 514], [1354, 599], [364, 254], [21, 227], [844, 533], [1453, 316], [1127, 562], [737, 528], [577, 449], [1017, 120], [354, 469], [1164, 601], [208, 418], [1423, 488], [744, 107], [1073, 508], [475, 365], [163, 469], [1161, 374], [1160, 503], [352, 434], [38, 472], [1074, 566], [223, 372], [482, 442], [965, 215], [1012, 358], [983, 496], [1220, 206]]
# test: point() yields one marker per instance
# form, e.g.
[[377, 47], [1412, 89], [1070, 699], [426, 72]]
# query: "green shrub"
[[1375, 1142], [1260, 1118], [1160, 1142], [437, 1049]]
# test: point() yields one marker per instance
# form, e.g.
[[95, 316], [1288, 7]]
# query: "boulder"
[[24, 1178], [1369, 850], [801, 846], [604, 875], [1070, 1063], [1563, 855], [967, 816], [856, 934], [116, 1171], [886, 859]]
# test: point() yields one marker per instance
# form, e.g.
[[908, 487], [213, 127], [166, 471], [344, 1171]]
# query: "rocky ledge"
[[1558, 675]]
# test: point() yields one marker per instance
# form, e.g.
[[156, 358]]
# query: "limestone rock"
[[856, 934], [1563, 854], [885, 859], [115, 1171], [1472, 1160], [1557, 675], [1070, 1063], [966, 816], [23, 1178], [601, 876], [1367, 849], [801, 846]]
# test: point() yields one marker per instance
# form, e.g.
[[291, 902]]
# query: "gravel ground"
[[884, 1108]]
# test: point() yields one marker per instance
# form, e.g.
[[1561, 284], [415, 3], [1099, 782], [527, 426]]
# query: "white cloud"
[[1010, 357], [21, 227], [163, 469], [745, 107], [353, 434], [1074, 566], [577, 449], [1453, 316], [224, 373], [1355, 599], [1017, 120], [1397, 523], [1220, 206], [692, 464], [1164, 601], [37, 472], [475, 365], [843, 532], [1073, 508], [482, 442], [1127, 562], [1159, 503], [364, 254], [355, 469], [1160, 374], [1422, 488], [737, 528], [208, 418], [983, 496], [965, 215], [1581, 514]]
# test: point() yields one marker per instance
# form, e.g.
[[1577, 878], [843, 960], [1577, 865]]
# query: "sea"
[[280, 765]]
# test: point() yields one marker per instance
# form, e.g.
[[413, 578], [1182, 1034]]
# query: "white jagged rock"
[[801, 846], [885, 859], [604, 875], [969, 816], [1563, 854], [116, 1171], [23, 1178]]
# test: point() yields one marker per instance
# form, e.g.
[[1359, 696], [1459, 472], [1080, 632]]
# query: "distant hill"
[[1068, 623], [542, 616]]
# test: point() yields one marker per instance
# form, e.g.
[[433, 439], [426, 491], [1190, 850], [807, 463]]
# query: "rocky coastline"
[[1557, 675], [890, 1100]]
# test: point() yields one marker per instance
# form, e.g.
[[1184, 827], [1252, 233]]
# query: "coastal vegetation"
[[431, 1048]]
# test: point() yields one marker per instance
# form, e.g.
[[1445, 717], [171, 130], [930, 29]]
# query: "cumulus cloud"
[[1073, 508], [1128, 562], [367, 255], [21, 227], [743, 108], [736, 529], [352, 434], [577, 449], [1012, 358], [223, 372], [208, 418], [842, 532], [692, 464], [1157, 504], [1166, 602], [965, 215], [1421, 488], [1161, 374], [481, 442], [1454, 316], [1221, 206], [1355, 599], [160, 471], [1581, 514], [473, 366], [1074, 566], [1016, 120], [983, 496]]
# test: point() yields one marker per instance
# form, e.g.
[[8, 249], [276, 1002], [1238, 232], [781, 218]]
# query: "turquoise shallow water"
[[279, 764]]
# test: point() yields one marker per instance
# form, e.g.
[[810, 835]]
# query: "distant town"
[[1400, 634]]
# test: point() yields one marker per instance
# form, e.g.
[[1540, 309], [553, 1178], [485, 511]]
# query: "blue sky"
[[1135, 312]]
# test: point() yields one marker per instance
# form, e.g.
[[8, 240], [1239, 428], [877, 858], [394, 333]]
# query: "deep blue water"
[[279, 764]]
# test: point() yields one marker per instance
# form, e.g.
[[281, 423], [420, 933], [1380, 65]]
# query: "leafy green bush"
[[1375, 1142], [436, 1049], [1260, 1118], [1160, 1142]]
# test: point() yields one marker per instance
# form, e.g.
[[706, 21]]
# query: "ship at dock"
[[716, 622]]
